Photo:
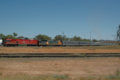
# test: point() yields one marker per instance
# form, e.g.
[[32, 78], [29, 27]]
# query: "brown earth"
[[73, 67], [57, 50]]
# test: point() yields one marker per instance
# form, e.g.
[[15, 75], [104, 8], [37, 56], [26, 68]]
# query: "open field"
[[104, 68], [78, 49], [59, 68]]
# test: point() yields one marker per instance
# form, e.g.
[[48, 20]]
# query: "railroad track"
[[28, 55]]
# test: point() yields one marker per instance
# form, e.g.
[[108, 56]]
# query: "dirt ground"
[[73, 67], [59, 50]]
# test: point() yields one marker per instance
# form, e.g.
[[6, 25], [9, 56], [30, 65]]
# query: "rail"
[[29, 55]]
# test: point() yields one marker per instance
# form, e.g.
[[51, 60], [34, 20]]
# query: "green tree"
[[42, 37], [20, 37], [86, 40], [2, 36], [14, 34], [10, 37], [60, 37], [94, 40], [75, 38]]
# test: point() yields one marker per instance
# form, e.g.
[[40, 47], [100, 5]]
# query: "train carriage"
[[70, 43], [75, 43], [85, 43]]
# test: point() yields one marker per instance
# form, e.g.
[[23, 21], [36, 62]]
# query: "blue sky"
[[51, 17]]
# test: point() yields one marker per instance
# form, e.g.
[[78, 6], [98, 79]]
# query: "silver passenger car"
[[84, 43], [70, 43], [75, 43]]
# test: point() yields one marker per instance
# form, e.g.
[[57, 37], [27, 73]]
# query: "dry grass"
[[79, 47], [0, 73], [26, 77], [56, 77], [1, 68], [67, 49], [92, 47], [20, 76]]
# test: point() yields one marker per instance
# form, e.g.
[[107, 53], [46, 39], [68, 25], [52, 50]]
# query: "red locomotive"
[[18, 42]]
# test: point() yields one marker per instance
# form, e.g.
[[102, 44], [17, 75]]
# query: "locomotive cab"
[[6, 41], [0, 42]]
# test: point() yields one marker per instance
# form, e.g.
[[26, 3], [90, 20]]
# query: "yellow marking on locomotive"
[[47, 42], [60, 42]]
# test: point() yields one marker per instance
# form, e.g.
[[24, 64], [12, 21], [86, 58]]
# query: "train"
[[29, 42]]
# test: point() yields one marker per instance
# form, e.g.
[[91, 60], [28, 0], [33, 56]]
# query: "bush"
[[117, 72], [0, 73], [116, 76], [60, 76]]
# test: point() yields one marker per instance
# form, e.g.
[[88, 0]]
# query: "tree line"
[[45, 37]]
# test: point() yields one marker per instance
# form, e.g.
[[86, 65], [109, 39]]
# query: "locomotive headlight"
[[47, 42]]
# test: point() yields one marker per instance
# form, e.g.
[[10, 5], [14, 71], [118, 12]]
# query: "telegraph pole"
[[62, 35], [90, 37], [84, 36]]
